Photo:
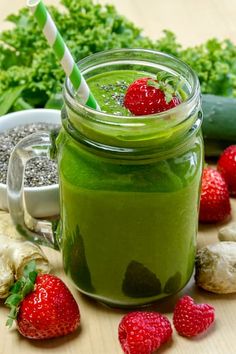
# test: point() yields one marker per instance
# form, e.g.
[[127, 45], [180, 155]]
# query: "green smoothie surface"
[[109, 89]]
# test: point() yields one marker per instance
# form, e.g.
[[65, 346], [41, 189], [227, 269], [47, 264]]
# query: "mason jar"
[[129, 187]]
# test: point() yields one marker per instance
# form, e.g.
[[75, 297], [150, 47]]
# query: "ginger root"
[[216, 267], [14, 255], [6, 277], [228, 232]]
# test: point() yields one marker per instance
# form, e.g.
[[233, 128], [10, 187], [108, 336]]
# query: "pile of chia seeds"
[[39, 171], [119, 88], [116, 99]]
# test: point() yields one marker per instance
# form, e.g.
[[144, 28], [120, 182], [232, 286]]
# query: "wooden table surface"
[[193, 22]]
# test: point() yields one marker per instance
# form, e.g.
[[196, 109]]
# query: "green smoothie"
[[128, 224]]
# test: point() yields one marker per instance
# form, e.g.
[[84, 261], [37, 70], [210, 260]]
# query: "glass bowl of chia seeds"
[[41, 178]]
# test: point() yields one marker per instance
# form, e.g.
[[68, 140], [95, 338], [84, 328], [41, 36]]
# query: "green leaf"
[[9, 97], [9, 322], [168, 96], [13, 300], [12, 316], [8, 58], [17, 286], [20, 105], [33, 276], [28, 287], [153, 83], [171, 85], [55, 102], [20, 289], [30, 267], [89, 28]]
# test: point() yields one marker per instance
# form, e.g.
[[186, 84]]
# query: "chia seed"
[[118, 93], [39, 171], [119, 98]]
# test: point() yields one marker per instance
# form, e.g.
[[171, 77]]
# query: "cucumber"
[[219, 123]]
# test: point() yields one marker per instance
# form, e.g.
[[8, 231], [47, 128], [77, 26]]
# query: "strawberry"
[[149, 96], [214, 201], [143, 332], [191, 319], [43, 306], [227, 167]]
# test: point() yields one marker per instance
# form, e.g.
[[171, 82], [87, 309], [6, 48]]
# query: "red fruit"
[[143, 332], [191, 319], [49, 311], [143, 97], [227, 167], [214, 202]]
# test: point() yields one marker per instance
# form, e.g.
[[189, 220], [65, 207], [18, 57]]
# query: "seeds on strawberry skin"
[[227, 167], [143, 332], [191, 319], [214, 201]]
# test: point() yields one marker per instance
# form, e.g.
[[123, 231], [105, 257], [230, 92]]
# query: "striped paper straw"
[[62, 52]]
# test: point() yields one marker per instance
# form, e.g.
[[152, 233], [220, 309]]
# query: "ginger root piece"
[[216, 268], [228, 232], [14, 255], [6, 277]]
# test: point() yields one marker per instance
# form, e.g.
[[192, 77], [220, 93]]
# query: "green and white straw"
[[62, 52]]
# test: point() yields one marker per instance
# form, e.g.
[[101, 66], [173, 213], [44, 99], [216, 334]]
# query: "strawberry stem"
[[170, 85], [19, 290]]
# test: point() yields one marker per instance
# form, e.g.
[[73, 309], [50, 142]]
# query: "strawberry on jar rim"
[[148, 96]]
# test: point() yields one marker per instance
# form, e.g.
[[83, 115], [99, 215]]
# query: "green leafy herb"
[[31, 76], [8, 98]]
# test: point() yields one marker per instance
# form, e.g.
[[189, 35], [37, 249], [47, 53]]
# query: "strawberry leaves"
[[171, 86], [19, 290]]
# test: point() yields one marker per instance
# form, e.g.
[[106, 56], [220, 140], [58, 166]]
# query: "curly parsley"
[[30, 75]]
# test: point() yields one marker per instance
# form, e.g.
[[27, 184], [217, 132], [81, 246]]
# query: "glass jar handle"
[[35, 230]]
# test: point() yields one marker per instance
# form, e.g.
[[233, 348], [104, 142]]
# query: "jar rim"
[[103, 117]]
